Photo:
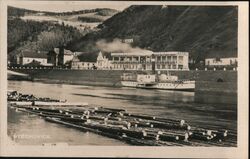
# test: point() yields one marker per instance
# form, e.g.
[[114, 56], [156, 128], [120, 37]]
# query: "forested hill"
[[39, 30], [201, 30], [18, 12]]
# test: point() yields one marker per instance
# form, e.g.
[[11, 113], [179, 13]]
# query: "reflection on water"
[[170, 104], [28, 129]]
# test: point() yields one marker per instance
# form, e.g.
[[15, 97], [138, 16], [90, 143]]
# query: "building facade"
[[103, 63], [52, 56], [213, 62], [76, 64], [27, 57], [64, 56], [60, 56], [150, 61]]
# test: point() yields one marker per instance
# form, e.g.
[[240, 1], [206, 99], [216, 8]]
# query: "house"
[[60, 56], [28, 56], [65, 56], [128, 41], [220, 62], [102, 62], [76, 64]]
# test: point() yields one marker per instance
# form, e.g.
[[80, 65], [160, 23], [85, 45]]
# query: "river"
[[31, 130]]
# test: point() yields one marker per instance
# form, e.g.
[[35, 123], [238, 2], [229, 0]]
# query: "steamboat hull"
[[185, 86]]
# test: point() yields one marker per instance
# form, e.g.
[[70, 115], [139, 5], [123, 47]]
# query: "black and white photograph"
[[128, 74]]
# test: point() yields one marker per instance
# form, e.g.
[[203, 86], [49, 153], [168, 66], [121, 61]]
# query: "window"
[[168, 58], [148, 59], [174, 58], [180, 59], [158, 58], [163, 58], [163, 66], [116, 58], [142, 59], [158, 66], [136, 59]]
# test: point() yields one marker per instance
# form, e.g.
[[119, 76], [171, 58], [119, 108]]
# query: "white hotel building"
[[150, 61]]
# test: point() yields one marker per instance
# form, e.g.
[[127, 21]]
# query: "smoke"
[[117, 46]]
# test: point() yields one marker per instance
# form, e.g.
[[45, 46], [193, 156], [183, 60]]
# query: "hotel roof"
[[142, 53], [147, 53]]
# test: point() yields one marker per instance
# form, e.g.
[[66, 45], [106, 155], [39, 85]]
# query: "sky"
[[63, 6]]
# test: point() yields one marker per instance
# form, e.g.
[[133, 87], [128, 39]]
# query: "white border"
[[136, 151]]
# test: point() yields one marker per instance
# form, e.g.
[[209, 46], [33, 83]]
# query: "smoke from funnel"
[[117, 46]]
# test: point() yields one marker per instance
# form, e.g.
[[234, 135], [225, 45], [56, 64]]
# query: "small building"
[[65, 57], [219, 62], [60, 56], [27, 57], [148, 60], [128, 41], [102, 62]]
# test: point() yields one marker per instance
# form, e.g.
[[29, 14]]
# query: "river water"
[[31, 130]]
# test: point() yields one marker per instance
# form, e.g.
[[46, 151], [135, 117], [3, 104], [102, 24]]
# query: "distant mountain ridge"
[[204, 31], [14, 11]]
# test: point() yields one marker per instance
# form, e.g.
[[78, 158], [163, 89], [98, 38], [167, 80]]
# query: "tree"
[[49, 40]]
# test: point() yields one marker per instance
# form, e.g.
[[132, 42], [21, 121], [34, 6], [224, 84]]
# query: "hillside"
[[43, 36], [201, 30], [82, 19], [18, 12], [39, 30]]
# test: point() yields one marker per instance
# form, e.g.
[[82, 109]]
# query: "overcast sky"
[[62, 6]]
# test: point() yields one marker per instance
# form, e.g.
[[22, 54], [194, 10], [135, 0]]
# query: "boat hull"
[[181, 86]]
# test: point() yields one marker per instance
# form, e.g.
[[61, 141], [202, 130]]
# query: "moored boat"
[[157, 81]]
